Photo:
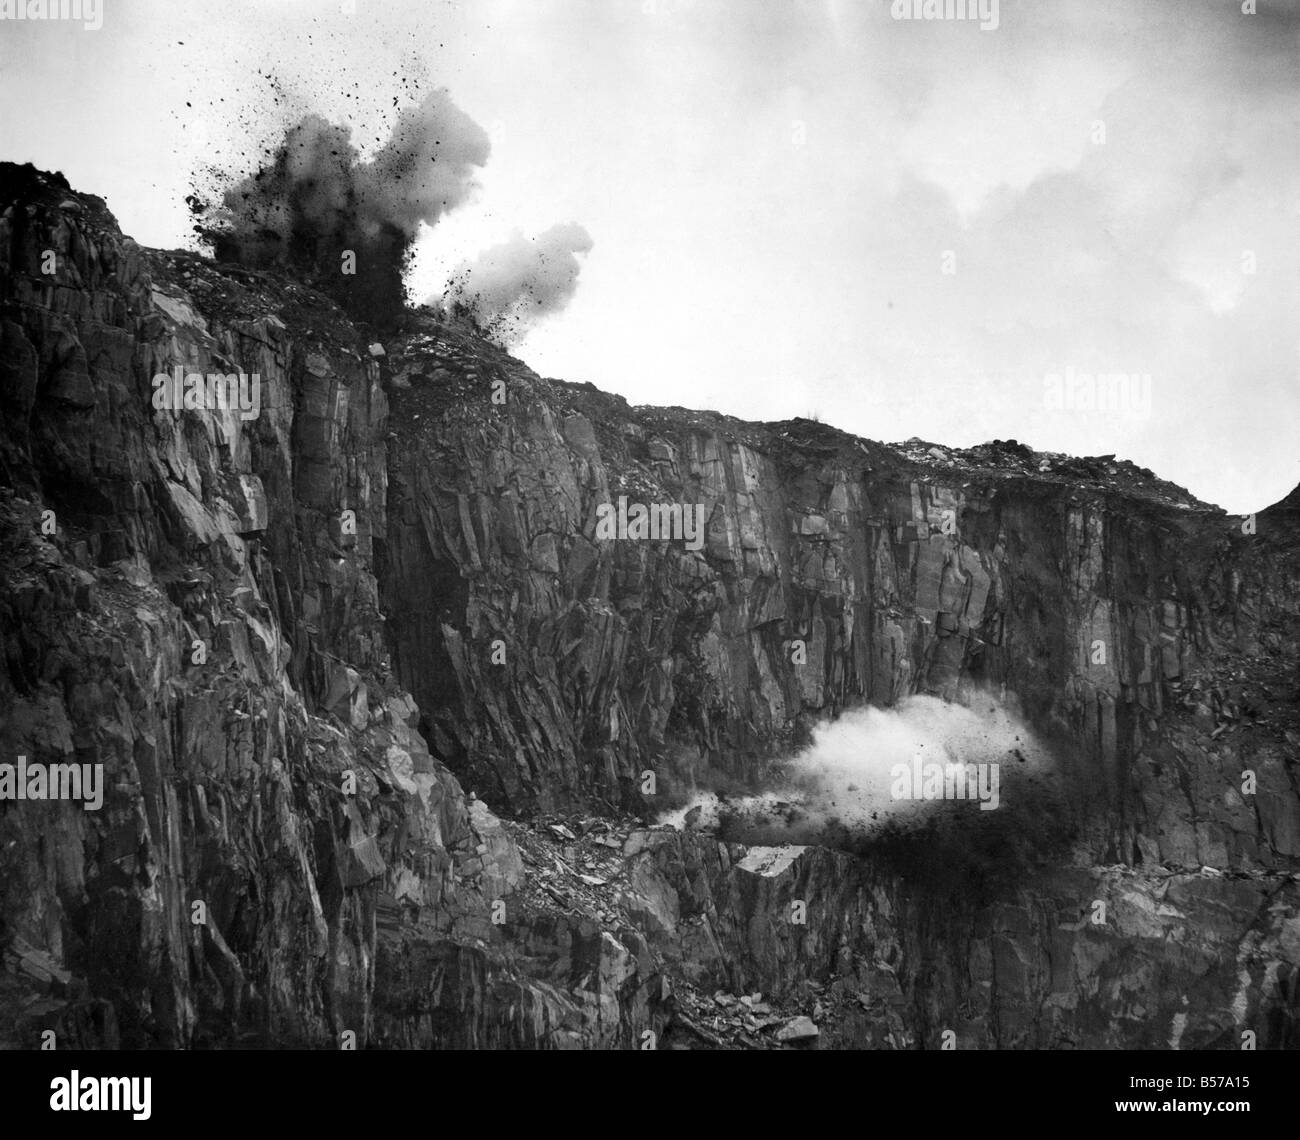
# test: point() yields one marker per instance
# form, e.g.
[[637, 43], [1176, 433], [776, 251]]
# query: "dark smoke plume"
[[315, 203], [510, 286]]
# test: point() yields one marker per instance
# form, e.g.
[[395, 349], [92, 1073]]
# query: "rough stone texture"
[[225, 778], [618, 657], [465, 626]]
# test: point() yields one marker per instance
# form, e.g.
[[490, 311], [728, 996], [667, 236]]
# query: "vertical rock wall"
[[291, 639]]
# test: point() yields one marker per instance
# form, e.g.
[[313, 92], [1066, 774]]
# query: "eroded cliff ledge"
[[393, 570]]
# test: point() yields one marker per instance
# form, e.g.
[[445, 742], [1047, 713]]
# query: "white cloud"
[[735, 267]]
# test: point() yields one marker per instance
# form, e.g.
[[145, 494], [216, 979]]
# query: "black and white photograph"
[[746, 527]]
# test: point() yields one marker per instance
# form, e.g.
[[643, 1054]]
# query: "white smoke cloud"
[[849, 776], [510, 286]]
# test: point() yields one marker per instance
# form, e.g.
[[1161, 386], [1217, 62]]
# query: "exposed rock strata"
[[413, 915]]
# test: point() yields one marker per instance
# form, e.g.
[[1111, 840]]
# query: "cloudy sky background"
[[771, 188]]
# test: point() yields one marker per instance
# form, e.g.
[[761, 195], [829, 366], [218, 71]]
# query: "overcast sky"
[[772, 187]]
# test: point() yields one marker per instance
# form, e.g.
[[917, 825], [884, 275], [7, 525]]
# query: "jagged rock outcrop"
[[896, 577], [293, 639], [196, 617]]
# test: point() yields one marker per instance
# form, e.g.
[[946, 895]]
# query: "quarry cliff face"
[[390, 676]]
